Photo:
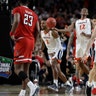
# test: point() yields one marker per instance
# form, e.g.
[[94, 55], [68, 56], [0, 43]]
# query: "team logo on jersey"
[[5, 67]]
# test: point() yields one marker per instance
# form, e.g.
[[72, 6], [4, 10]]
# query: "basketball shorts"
[[57, 55], [23, 50]]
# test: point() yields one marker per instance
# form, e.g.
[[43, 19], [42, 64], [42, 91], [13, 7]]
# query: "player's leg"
[[77, 78], [93, 78], [89, 83], [61, 75], [54, 86], [19, 68], [20, 71], [23, 90], [84, 67]]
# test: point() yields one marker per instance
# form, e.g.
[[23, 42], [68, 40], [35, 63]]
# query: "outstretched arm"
[[69, 44], [70, 28]]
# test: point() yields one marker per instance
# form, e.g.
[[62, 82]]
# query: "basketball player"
[[92, 74], [82, 32], [52, 41], [24, 30]]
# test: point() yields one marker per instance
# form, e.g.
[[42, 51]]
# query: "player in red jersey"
[[24, 31]]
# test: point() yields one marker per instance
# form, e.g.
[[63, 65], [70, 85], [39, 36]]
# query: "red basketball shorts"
[[23, 50]]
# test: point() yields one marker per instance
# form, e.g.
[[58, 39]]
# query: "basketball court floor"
[[13, 90]]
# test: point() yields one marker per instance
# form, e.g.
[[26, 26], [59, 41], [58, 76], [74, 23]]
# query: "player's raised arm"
[[69, 45]]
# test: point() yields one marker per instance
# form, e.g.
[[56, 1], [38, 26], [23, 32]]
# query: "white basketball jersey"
[[82, 41], [83, 26], [52, 44]]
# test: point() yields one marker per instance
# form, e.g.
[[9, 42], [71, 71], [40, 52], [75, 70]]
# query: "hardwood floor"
[[13, 90]]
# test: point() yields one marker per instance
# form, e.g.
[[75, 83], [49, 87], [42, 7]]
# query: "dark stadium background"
[[40, 6]]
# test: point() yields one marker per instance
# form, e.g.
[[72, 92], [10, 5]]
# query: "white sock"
[[56, 82], [22, 92]]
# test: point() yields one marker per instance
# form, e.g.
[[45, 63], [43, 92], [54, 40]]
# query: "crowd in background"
[[65, 12]]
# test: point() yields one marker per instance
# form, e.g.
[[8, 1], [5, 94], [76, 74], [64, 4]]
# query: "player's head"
[[43, 24], [94, 19], [84, 11], [23, 1]]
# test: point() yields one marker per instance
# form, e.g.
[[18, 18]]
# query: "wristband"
[[11, 33]]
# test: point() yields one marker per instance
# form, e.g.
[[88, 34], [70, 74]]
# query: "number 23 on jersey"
[[28, 19]]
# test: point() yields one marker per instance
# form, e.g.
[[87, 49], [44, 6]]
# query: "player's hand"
[[84, 58], [12, 37], [54, 29], [82, 34]]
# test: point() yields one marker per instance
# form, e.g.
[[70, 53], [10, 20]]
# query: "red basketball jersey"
[[27, 25]]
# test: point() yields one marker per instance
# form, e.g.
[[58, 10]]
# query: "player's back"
[[27, 24]]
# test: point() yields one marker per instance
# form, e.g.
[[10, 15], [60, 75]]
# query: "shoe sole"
[[52, 89]]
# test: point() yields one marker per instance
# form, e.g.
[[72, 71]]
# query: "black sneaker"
[[88, 91], [53, 87]]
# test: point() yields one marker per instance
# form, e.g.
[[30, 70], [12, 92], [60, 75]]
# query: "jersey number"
[[28, 19], [82, 26]]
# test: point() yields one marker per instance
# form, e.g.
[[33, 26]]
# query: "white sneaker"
[[34, 91], [71, 81], [22, 93]]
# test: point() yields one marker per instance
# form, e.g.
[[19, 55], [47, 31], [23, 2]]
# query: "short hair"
[[23, 1], [84, 9]]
